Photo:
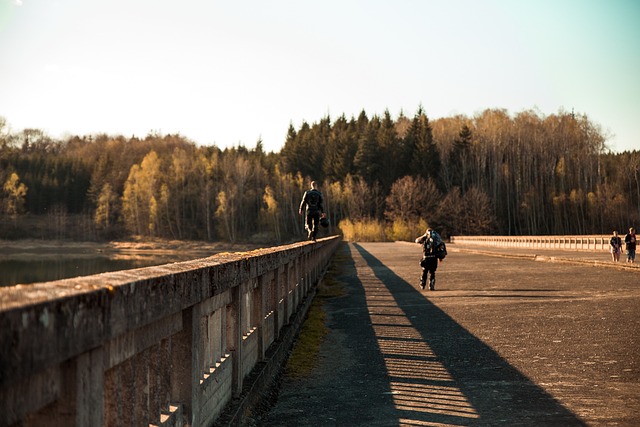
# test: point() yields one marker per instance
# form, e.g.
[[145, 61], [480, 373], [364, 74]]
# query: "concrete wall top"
[[90, 310]]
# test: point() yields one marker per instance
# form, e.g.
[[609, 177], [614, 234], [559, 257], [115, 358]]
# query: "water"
[[48, 268], [34, 261]]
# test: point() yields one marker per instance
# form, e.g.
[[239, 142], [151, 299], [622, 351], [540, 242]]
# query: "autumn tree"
[[270, 213], [478, 213], [449, 217], [523, 173], [358, 198], [5, 136], [15, 194], [412, 198], [139, 201], [240, 199], [105, 208]]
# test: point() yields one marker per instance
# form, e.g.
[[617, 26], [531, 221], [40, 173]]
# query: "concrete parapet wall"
[[165, 346], [576, 243]]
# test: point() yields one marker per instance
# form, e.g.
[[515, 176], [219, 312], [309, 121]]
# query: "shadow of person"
[[441, 374]]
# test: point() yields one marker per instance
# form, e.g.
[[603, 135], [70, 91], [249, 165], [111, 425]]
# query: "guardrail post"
[[183, 376], [274, 295], [287, 290], [234, 337], [81, 382], [90, 386], [283, 303], [259, 314]]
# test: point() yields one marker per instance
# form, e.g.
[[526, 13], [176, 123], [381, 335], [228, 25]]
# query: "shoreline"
[[33, 248], [27, 261]]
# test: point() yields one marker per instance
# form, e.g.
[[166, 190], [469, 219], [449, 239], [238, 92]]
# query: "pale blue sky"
[[232, 72]]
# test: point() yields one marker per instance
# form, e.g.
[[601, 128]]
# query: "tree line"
[[522, 174]]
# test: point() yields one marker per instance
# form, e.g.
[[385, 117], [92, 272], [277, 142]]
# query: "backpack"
[[434, 245], [441, 251], [313, 200]]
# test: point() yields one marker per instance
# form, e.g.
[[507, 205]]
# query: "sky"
[[234, 72]]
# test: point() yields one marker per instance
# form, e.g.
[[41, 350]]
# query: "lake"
[[33, 261], [48, 268]]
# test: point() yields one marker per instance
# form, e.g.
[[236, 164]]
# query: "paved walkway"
[[596, 258], [504, 340]]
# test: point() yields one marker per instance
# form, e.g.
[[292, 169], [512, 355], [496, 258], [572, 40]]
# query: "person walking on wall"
[[615, 244], [312, 202], [630, 242]]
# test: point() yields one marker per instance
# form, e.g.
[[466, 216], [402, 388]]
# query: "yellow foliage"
[[16, 193], [370, 230], [401, 230], [366, 230]]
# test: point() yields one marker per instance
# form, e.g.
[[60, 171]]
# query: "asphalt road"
[[508, 340]]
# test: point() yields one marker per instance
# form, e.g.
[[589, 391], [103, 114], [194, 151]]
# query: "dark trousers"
[[429, 265], [313, 220]]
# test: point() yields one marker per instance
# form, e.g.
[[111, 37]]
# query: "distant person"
[[615, 246], [630, 241], [433, 250], [312, 202]]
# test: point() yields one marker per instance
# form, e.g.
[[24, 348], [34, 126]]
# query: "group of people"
[[433, 247], [615, 246]]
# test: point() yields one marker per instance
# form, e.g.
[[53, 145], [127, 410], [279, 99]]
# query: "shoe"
[[422, 285]]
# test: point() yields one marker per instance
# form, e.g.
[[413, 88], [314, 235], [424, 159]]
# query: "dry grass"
[[372, 230], [366, 230]]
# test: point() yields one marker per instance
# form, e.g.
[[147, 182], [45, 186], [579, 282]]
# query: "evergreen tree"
[[423, 156], [340, 150], [460, 158], [390, 151], [367, 160]]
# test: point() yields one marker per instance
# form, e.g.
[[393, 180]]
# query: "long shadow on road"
[[441, 374]]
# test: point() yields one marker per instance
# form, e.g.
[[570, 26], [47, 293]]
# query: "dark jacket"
[[430, 242], [312, 200]]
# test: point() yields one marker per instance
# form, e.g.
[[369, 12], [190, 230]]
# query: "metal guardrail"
[[579, 243]]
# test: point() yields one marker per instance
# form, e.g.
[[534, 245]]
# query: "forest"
[[382, 177]]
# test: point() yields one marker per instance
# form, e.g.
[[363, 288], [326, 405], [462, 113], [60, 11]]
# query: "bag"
[[441, 251], [435, 245]]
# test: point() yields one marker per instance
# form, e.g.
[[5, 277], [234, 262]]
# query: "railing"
[[159, 346], [579, 243]]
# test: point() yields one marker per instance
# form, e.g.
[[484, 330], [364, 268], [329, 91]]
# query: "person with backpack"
[[312, 201], [434, 250]]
